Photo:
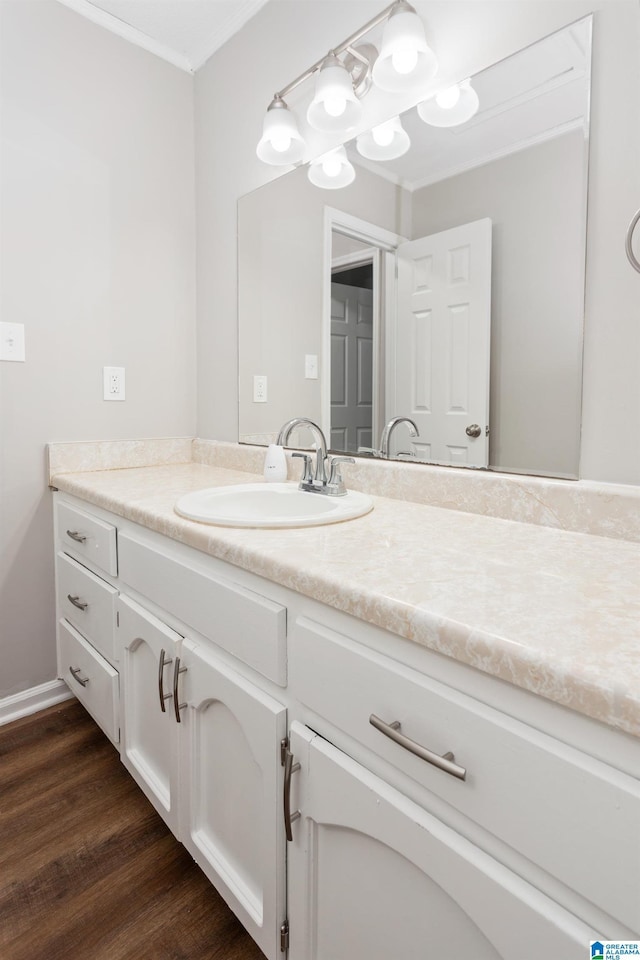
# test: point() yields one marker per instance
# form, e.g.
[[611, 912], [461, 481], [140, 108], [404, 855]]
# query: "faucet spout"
[[321, 443], [385, 440]]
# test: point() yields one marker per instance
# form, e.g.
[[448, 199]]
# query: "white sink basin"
[[270, 505]]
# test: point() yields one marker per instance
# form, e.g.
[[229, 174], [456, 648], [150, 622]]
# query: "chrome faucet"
[[316, 482], [321, 444], [385, 440]]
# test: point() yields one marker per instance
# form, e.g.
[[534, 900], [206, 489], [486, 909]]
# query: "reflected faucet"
[[321, 443], [385, 440]]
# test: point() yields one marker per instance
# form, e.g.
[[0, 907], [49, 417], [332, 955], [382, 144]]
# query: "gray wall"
[[281, 261], [535, 200], [98, 233], [467, 36]]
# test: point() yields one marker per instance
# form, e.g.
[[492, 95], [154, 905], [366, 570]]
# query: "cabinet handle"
[[177, 706], [289, 768], [75, 673], [633, 260], [444, 762], [78, 537], [77, 602], [164, 660]]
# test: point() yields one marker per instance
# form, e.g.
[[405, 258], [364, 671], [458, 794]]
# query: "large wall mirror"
[[446, 286]]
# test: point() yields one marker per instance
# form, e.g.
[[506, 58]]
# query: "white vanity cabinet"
[[231, 789], [420, 817], [203, 743], [325, 832], [543, 799], [149, 654], [374, 875], [200, 657], [85, 612]]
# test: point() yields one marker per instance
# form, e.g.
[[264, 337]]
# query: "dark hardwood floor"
[[88, 870]]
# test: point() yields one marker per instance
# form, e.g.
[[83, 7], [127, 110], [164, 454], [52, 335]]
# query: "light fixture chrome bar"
[[358, 56], [374, 22]]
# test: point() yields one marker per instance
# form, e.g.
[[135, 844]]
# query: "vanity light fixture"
[[385, 142], [451, 106], [406, 61], [281, 141], [335, 105], [344, 77], [332, 171]]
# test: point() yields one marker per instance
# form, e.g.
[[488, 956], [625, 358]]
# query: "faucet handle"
[[307, 474], [336, 482]]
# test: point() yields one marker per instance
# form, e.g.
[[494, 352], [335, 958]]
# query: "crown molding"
[[127, 32], [245, 10]]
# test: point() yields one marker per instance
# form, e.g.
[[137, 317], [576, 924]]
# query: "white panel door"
[[441, 342], [373, 875], [231, 777], [351, 367], [149, 734]]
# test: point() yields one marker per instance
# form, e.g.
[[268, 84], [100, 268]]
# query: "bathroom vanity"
[[359, 772]]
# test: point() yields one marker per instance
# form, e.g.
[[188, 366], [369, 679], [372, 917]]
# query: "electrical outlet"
[[113, 381], [259, 389]]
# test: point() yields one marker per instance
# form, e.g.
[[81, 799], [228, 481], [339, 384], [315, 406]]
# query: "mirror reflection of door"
[[441, 340], [352, 356]]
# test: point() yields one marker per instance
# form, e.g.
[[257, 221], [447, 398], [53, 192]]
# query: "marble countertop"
[[554, 612]]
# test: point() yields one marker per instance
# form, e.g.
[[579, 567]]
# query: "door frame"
[[383, 245]]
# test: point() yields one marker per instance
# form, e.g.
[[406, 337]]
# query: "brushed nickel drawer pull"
[[75, 673], [444, 762], [77, 602], [78, 537], [164, 660], [289, 768], [633, 260], [177, 706]]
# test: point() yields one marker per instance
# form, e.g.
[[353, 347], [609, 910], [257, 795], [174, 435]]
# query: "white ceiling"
[[184, 32]]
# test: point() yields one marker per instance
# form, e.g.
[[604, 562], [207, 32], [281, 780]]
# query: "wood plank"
[[87, 867]]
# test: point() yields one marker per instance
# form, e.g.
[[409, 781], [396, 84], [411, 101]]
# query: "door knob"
[[473, 430]]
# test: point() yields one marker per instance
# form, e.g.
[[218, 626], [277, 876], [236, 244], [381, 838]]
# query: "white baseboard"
[[32, 700]]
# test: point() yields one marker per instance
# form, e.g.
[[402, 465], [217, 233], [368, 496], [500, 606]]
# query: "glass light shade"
[[281, 142], [335, 106], [332, 171], [385, 142], [448, 110], [406, 62]]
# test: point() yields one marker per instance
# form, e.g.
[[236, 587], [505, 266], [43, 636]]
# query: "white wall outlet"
[[259, 389], [12, 342], [310, 366], [113, 378]]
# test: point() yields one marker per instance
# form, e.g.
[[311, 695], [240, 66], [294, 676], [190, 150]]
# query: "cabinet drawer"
[[88, 603], [245, 624], [87, 537], [562, 809], [90, 678]]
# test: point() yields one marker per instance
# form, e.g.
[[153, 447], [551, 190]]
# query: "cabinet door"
[[149, 735], [372, 874], [231, 809]]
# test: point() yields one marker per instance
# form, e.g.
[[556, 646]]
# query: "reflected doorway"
[[352, 352]]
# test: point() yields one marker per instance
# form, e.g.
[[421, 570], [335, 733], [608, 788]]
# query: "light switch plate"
[[310, 366], [12, 342]]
